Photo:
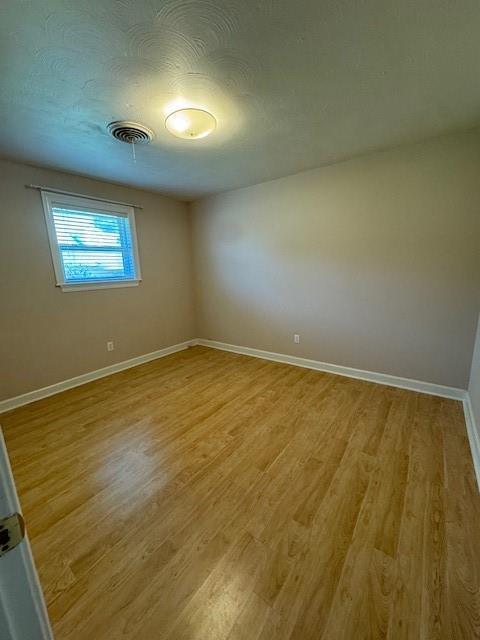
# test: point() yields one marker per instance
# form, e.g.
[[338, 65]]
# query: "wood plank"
[[213, 495]]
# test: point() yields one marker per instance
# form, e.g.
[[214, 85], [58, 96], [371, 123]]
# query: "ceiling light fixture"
[[190, 123]]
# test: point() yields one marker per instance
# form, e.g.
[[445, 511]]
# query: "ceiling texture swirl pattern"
[[292, 85]]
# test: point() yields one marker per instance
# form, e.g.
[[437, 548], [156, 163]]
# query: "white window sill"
[[89, 286]]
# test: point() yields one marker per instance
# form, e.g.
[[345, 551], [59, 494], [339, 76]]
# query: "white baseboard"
[[473, 436], [38, 394], [371, 376]]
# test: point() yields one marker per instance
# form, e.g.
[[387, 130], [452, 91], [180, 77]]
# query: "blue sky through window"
[[94, 246]]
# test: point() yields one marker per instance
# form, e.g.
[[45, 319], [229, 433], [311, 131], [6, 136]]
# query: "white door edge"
[[22, 606]]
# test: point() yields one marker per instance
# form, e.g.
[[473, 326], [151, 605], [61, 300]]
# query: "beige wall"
[[474, 386], [373, 261], [48, 335]]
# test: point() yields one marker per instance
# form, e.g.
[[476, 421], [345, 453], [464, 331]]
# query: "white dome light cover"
[[190, 123]]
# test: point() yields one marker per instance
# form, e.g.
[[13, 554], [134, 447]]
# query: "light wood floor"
[[211, 496]]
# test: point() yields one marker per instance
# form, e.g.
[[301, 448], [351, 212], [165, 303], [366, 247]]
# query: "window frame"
[[50, 200]]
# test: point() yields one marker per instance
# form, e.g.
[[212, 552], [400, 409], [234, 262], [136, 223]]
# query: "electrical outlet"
[[110, 346], [296, 338]]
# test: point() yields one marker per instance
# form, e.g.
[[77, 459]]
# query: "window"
[[93, 243]]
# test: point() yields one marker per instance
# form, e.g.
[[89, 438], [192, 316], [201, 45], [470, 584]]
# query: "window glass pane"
[[94, 229], [94, 246], [93, 265]]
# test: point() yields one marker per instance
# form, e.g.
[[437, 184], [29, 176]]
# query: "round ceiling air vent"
[[130, 132]]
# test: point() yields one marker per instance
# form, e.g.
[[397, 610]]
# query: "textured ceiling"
[[293, 84]]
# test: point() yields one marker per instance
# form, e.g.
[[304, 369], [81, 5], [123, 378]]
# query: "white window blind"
[[93, 243]]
